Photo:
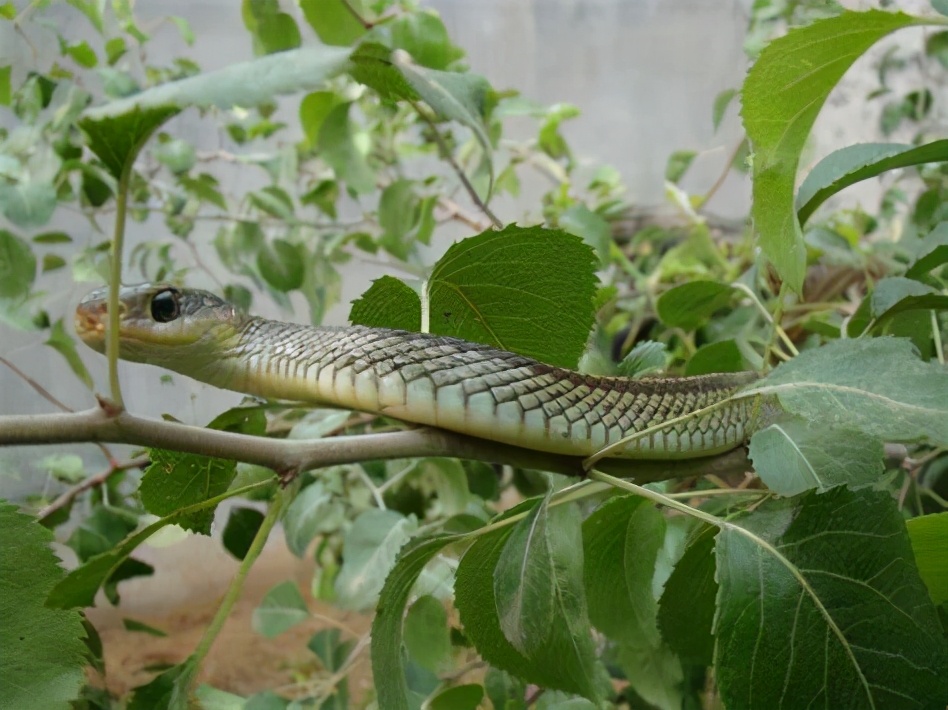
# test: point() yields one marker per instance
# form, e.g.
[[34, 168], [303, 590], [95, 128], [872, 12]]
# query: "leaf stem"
[[236, 586], [936, 336], [446, 154], [774, 320], [115, 282]]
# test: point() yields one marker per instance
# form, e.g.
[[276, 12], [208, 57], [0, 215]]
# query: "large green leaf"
[[387, 629], [897, 294], [792, 456], [687, 606], [874, 385], [116, 137], [243, 84], [42, 653], [929, 535], [176, 480], [389, 303], [781, 97], [528, 290], [368, 555], [621, 543], [855, 163], [553, 664], [820, 602], [538, 581]]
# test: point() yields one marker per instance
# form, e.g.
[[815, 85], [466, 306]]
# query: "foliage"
[[821, 577]]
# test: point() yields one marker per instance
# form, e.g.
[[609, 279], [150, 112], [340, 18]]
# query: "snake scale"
[[437, 381]]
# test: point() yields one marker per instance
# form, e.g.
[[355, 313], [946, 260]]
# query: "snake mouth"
[[90, 321]]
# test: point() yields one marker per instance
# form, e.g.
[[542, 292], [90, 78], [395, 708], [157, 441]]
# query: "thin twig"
[[724, 173], [91, 482], [446, 154]]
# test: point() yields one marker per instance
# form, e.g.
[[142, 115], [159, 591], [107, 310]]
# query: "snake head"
[[160, 324]]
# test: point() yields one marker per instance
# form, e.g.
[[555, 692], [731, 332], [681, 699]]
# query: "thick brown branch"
[[289, 457]]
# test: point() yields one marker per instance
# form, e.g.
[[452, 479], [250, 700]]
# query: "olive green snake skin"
[[435, 381]]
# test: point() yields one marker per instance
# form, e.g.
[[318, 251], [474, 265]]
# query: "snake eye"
[[164, 306]]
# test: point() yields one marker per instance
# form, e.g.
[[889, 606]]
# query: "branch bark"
[[290, 457]]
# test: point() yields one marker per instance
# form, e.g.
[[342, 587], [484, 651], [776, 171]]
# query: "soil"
[[181, 597]]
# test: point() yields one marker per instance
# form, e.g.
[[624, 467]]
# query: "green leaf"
[[460, 697], [243, 84], [273, 31], [326, 645], [175, 480], [723, 356], [691, 304], [792, 456], [389, 303], [28, 204], [932, 252], [422, 34], [426, 634], [537, 583], [60, 341], [371, 64], [311, 512], [940, 6], [17, 266], [936, 46], [721, 103], [477, 605], [5, 92], [897, 294], [337, 146], [855, 163], [281, 609], [242, 526], [686, 609], [281, 265], [781, 97], [824, 588], [678, 164], [928, 535], [117, 137], [334, 22], [68, 468], [132, 625], [41, 649], [453, 96], [169, 689], [621, 543], [591, 227], [369, 550], [646, 357], [397, 215], [528, 290], [83, 54], [177, 155], [891, 394], [388, 670], [314, 108]]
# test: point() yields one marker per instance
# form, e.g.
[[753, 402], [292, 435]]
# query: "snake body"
[[437, 381]]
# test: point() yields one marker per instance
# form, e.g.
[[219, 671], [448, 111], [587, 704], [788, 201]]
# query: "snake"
[[423, 379]]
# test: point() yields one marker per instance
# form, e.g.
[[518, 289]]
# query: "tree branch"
[[288, 457]]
